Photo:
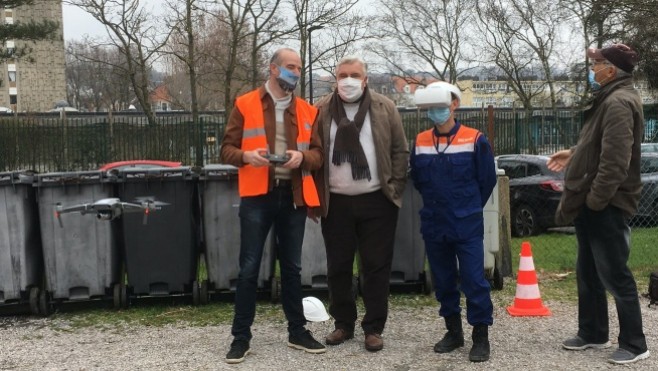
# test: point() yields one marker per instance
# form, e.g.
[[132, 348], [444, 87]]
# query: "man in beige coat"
[[360, 188]]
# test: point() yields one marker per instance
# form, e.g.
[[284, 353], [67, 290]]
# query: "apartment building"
[[34, 86]]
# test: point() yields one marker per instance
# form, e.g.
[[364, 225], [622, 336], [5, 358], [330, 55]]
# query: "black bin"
[[160, 246]]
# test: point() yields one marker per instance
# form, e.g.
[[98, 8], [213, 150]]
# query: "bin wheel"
[[44, 303], [276, 289], [34, 300], [195, 292], [116, 296], [124, 296], [355, 287], [203, 292], [428, 285]]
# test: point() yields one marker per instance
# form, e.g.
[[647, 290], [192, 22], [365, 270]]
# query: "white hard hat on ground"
[[437, 94], [314, 310]]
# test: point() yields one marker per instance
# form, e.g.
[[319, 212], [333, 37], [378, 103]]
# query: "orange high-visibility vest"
[[253, 181]]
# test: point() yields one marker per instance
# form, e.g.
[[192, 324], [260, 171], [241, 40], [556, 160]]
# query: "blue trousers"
[[603, 249], [257, 215], [443, 256]]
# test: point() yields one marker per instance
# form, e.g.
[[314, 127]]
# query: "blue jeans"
[[257, 215], [603, 249]]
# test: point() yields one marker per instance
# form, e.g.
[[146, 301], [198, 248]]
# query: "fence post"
[[199, 147], [490, 127]]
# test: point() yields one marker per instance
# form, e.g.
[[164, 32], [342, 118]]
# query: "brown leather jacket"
[[604, 168], [231, 152]]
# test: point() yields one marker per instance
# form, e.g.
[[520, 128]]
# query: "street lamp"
[[310, 61]]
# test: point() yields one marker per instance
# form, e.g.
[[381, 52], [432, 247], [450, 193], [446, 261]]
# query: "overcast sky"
[[78, 23]]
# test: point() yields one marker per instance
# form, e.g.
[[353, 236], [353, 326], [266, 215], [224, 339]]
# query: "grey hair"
[[352, 60], [276, 57]]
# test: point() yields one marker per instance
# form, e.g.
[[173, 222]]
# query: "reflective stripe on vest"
[[253, 181], [463, 141]]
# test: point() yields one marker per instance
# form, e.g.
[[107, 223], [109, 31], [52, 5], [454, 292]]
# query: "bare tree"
[[134, 31], [519, 37], [95, 76], [598, 21], [339, 26], [428, 37]]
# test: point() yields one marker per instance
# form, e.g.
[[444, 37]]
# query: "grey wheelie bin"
[[220, 201], [160, 246], [21, 260], [314, 257], [80, 255], [408, 268]]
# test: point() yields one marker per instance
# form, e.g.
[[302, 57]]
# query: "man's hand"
[[559, 160], [254, 157], [296, 158]]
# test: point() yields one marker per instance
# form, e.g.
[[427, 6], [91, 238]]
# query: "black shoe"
[[450, 342], [239, 350], [305, 342], [454, 338], [480, 350]]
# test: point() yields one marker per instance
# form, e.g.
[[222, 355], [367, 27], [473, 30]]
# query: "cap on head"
[[437, 94], [620, 55]]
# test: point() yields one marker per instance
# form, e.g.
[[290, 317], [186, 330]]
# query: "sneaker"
[[239, 350], [577, 343], [623, 356], [305, 342]]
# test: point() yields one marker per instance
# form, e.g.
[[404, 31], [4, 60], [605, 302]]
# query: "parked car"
[[535, 192], [647, 213], [649, 147]]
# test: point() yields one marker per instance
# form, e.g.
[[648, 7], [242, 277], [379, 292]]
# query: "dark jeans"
[[603, 249], [257, 215], [364, 223]]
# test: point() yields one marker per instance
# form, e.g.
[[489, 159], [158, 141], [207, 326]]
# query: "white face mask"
[[350, 89]]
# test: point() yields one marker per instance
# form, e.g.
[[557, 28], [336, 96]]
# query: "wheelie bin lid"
[[219, 171], [17, 177], [155, 174], [71, 178]]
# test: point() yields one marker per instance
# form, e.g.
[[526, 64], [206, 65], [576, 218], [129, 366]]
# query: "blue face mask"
[[438, 115], [592, 80], [287, 80]]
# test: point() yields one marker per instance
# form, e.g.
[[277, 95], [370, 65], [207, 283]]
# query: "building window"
[[13, 99], [12, 76]]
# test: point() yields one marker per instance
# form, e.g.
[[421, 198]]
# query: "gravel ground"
[[526, 343]]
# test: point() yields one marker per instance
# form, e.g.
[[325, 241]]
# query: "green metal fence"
[[78, 142]]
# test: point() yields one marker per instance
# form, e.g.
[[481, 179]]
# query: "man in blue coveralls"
[[452, 166]]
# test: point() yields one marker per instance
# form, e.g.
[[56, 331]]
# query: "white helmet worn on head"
[[314, 310], [437, 94]]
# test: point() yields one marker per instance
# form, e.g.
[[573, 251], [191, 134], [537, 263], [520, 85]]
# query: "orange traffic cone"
[[528, 300]]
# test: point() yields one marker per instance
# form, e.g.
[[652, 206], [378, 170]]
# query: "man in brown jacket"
[[601, 191], [360, 188]]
